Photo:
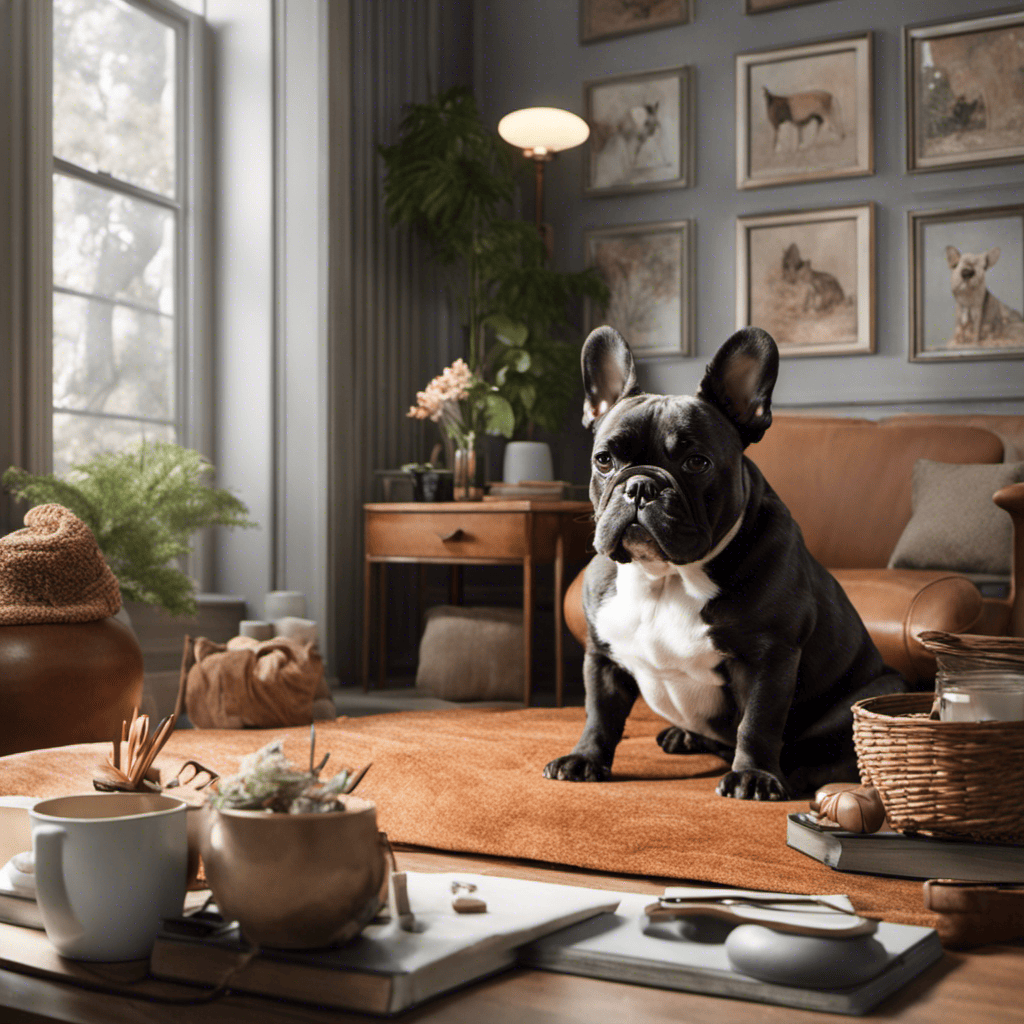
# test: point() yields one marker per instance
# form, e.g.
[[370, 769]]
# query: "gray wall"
[[528, 54]]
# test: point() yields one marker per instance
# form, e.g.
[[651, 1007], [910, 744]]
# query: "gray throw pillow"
[[955, 524]]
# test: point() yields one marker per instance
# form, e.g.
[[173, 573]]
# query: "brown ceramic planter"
[[296, 880], [73, 682]]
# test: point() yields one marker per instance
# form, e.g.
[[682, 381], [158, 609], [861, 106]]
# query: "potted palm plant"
[[453, 180]]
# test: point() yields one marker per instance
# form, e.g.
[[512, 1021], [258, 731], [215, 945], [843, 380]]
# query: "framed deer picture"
[[641, 132], [805, 113], [807, 277]]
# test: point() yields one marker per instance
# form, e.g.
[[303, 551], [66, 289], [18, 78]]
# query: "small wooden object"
[[859, 809], [131, 769], [972, 914], [468, 905]]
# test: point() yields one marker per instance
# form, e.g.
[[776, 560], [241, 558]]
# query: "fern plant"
[[143, 504]]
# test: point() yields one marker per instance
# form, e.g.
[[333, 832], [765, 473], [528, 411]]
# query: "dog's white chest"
[[653, 627]]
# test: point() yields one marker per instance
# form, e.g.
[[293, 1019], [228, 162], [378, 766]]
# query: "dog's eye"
[[696, 464], [603, 461]]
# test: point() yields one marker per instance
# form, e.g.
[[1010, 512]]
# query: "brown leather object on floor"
[[470, 780], [246, 682]]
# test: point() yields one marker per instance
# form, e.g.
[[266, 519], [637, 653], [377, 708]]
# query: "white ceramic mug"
[[108, 867]]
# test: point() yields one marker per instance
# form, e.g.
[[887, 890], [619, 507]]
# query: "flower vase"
[[467, 463]]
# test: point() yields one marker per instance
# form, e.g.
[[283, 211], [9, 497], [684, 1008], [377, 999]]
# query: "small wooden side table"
[[458, 533]]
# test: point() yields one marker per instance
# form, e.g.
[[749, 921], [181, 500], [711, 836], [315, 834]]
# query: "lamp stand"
[[545, 230]]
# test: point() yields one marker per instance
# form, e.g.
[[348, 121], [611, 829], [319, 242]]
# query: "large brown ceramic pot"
[[60, 683], [296, 880]]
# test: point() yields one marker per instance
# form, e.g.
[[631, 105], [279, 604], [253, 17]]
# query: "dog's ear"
[[952, 256], [739, 381], [608, 372], [992, 256]]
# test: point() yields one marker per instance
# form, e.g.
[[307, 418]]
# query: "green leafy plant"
[[452, 179], [142, 504]]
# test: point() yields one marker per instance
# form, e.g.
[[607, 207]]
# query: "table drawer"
[[447, 534]]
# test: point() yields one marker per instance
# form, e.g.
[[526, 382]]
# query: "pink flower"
[[450, 387]]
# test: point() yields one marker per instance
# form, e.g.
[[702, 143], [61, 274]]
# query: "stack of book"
[[904, 856], [534, 490]]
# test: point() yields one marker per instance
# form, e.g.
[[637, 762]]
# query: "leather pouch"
[[251, 684]]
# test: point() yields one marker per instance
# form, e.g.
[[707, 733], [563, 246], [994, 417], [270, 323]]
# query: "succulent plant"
[[268, 781]]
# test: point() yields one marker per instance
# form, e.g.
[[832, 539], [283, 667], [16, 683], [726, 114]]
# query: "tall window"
[[120, 209]]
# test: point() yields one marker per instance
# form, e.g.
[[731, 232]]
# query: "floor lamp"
[[541, 132]]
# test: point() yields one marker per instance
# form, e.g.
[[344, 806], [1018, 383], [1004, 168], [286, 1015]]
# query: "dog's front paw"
[[576, 768], [752, 784]]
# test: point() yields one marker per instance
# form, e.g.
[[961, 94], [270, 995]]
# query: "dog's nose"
[[641, 490], [967, 273]]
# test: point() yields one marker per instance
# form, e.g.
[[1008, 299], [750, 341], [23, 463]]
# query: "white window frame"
[[193, 263]]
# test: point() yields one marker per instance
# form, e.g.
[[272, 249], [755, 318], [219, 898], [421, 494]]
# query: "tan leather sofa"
[[847, 483]]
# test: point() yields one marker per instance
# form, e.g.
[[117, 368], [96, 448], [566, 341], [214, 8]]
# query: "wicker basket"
[[952, 779]]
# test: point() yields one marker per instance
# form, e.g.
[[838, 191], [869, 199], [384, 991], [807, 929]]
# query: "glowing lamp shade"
[[541, 131]]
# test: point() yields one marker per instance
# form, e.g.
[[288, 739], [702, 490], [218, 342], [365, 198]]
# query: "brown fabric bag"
[[246, 683], [52, 571]]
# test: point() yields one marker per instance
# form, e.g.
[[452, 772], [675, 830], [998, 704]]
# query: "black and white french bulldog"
[[702, 597]]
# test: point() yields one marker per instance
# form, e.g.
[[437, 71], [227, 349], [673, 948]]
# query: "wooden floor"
[[985, 986]]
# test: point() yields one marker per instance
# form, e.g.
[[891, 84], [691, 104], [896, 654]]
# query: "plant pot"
[[296, 881], [527, 460], [432, 484], [67, 682]]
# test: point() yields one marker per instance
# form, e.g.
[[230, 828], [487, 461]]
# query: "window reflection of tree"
[[113, 77]]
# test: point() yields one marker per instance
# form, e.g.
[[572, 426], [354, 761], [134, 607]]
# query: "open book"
[[386, 969], [624, 946]]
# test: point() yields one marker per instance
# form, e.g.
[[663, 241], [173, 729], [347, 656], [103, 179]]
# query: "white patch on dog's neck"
[[696, 582], [654, 630]]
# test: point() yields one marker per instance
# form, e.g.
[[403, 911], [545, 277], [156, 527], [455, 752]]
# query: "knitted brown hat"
[[52, 571]]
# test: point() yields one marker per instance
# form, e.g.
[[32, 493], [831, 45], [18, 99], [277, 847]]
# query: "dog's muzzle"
[[646, 483]]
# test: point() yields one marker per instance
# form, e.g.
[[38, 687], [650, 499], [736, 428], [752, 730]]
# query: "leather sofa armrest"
[[572, 608], [1011, 500], [897, 605]]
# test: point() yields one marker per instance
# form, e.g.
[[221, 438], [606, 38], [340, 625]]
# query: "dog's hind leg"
[[674, 740], [825, 753]]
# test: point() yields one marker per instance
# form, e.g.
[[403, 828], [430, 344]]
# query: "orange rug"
[[470, 780]]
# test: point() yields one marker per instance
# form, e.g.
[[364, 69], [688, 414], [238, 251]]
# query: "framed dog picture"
[[641, 132], [967, 283], [804, 113], [649, 270], [605, 19], [965, 97], [807, 278]]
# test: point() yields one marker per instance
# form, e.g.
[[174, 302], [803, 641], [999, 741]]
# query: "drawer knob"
[[457, 534]]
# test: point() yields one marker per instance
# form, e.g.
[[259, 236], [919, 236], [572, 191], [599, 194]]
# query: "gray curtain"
[[25, 243], [391, 330]]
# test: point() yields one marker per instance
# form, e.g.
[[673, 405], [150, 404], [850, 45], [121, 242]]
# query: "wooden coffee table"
[[457, 533], [982, 987]]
